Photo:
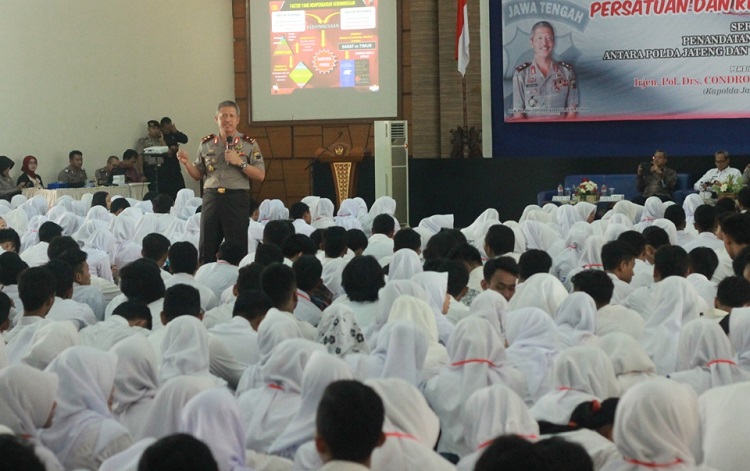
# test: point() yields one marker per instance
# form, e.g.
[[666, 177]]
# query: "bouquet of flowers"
[[587, 188], [730, 185]]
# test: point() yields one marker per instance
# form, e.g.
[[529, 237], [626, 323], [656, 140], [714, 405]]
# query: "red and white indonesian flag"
[[462, 36]]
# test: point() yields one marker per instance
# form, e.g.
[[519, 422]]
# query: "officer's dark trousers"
[[223, 215]]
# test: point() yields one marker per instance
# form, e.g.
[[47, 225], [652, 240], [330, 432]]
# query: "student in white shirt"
[[183, 261], [240, 335], [307, 271], [380, 243], [221, 274], [141, 281], [36, 255], [12, 266], [65, 308], [156, 247], [618, 261], [36, 288], [299, 213], [277, 281], [703, 264], [720, 173], [361, 280], [83, 292], [295, 246], [179, 451], [128, 319], [705, 224]]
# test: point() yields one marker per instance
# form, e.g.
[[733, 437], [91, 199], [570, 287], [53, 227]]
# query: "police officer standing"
[[229, 161], [74, 174]]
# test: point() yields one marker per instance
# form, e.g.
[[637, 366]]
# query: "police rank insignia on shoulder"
[[523, 67], [566, 65], [207, 138]]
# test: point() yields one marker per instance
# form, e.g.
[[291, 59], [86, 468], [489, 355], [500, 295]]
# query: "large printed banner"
[[625, 60]]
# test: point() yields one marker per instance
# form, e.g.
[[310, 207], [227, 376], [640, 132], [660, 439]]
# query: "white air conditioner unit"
[[392, 165]]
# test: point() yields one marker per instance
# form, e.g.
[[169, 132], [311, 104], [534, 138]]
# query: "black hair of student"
[[155, 246], [407, 238], [383, 224], [232, 252], [733, 291], [298, 243], [506, 264], [565, 455], [278, 282], [704, 218], [440, 245], [63, 274], [48, 231], [150, 195], [298, 210], [656, 237], [743, 197], [594, 415], [671, 260], [356, 240], [466, 253], [616, 252], [334, 241], [500, 239], [676, 214], [533, 261], [162, 204], [737, 226], [595, 283], [307, 271], [741, 261], [99, 199], [249, 277], [35, 286], [434, 264], [19, 454], [178, 452], [704, 261], [141, 281], [10, 235], [511, 452], [181, 300], [277, 231], [350, 420], [11, 266], [133, 311], [183, 258], [251, 304], [317, 238], [5, 305], [118, 204], [458, 276], [362, 278], [725, 205], [634, 239], [58, 245], [253, 206], [199, 209], [74, 258], [266, 254]]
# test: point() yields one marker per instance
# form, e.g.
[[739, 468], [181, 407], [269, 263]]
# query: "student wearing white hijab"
[[346, 216], [267, 410], [136, 383], [725, 424], [580, 374], [386, 297], [435, 286], [491, 306], [630, 362], [321, 370], [653, 210], [214, 418], [538, 235], [657, 426], [705, 357], [739, 335], [410, 309], [478, 360], [576, 320], [322, 214], [399, 353], [84, 433], [491, 412], [339, 332], [382, 205], [404, 265], [48, 342], [533, 346], [27, 404], [591, 258], [185, 350], [126, 250], [541, 290], [473, 231], [567, 259]]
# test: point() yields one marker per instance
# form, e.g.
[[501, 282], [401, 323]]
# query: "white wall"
[[88, 74]]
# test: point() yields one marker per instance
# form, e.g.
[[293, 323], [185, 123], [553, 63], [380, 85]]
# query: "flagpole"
[[466, 107]]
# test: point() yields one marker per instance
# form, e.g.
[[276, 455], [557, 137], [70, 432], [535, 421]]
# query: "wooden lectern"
[[343, 160]]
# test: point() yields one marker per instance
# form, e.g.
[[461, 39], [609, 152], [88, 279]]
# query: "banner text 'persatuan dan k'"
[[626, 60]]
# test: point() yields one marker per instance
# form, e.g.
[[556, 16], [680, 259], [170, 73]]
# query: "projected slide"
[[625, 60], [324, 44]]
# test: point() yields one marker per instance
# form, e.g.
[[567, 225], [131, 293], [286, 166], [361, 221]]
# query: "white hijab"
[[576, 320], [322, 214], [339, 332], [346, 216], [478, 360], [491, 306], [630, 362], [436, 286], [386, 297], [185, 349], [28, 396], [474, 232], [657, 425], [739, 335], [404, 265], [169, 402], [538, 235], [436, 223], [533, 346], [50, 340], [213, 417], [322, 369], [541, 290], [136, 379], [580, 374]]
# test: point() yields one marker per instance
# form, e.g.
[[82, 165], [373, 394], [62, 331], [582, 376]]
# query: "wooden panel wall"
[[430, 98]]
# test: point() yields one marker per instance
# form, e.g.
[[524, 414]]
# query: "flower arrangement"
[[587, 188], [731, 185]]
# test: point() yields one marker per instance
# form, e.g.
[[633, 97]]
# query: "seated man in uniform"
[[74, 174], [104, 174]]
